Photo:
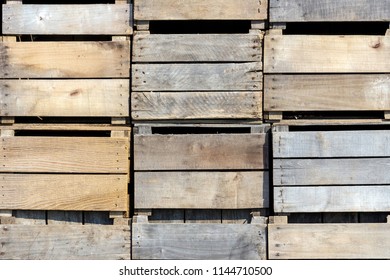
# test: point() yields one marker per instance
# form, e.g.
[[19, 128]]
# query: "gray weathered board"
[[327, 92], [331, 171], [77, 59], [201, 152], [329, 241], [65, 98], [197, 77], [197, 47], [201, 190], [100, 19], [199, 241], [200, 10], [62, 242], [326, 54], [329, 10], [157, 105]]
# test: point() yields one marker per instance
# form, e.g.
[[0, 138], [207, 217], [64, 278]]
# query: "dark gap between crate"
[[368, 127], [199, 26], [336, 28], [63, 120], [62, 133], [200, 130], [61, 38], [333, 115]]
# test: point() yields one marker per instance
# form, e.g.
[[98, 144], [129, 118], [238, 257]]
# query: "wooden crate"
[[328, 240], [47, 70], [320, 75], [220, 170], [197, 76], [339, 169], [199, 240], [63, 189]]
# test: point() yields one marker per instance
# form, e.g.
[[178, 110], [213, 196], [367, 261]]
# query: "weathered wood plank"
[[103, 98], [67, 19], [200, 10], [197, 47], [62, 242], [331, 144], [77, 59], [329, 241], [197, 77], [326, 54], [64, 154], [199, 241], [196, 105], [329, 10], [201, 151], [201, 190], [64, 192], [332, 199], [361, 171], [326, 92]]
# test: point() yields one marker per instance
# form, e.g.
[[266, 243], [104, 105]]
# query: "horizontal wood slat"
[[361, 171], [329, 241], [70, 98], [201, 151], [67, 19], [332, 199], [326, 92], [197, 77], [64, 192], [64, 154], [331, 144], [329, 10], [196, 105], [197, 47], [62, 242], [201, 190], [326, 54], [201, 9], [199, 241], [65, 59]]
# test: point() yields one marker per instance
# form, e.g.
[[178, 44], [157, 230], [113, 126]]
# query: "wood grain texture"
[[331, 144], [326, 54], [329, 241], [196, 105], [200, 10], [197, 77], [201, 190], [64, 154], [326, 92], [199, 241], [64, 192], [300, 199], [67, 19], [64, 242], [70, 98], [197, 47], [361, 171], [201, 151], [329, 10], [77, 59]]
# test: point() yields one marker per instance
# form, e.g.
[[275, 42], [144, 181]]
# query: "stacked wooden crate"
[[200, 150], [64, 141], [330, 176]]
